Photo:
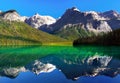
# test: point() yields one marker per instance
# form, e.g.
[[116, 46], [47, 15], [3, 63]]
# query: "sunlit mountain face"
[[72, 62]]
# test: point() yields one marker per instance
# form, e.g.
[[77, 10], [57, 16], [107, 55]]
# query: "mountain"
[[12, 15], [73, 16], [37, 20], [109, 15], [19, 33], [91, 22], [112, 38]]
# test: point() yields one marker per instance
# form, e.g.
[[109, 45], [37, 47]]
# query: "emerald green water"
[[72, 62]]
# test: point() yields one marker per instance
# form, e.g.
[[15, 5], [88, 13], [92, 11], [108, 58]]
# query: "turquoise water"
[[59, 64]]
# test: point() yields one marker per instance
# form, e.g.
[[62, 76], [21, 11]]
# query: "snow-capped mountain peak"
[[38, 20]]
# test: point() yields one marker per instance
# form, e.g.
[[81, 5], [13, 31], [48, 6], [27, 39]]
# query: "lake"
[[60, 64]]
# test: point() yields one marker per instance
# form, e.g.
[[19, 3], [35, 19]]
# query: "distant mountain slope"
[[109, 15], [19, 33], [72, 32], [114, 23], [112, 38]]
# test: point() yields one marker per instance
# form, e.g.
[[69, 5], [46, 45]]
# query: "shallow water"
[[60, 64]]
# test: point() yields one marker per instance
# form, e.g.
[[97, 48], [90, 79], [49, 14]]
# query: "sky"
[[56, 8]]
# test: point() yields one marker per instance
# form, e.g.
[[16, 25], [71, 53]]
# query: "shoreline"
[[43, 44]]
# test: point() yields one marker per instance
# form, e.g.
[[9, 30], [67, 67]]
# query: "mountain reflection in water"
[[73, 62]]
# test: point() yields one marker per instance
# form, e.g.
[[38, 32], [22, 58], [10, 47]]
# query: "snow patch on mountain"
[[75, 9]]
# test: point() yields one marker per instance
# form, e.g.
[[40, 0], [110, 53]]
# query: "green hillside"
[[18, 33]]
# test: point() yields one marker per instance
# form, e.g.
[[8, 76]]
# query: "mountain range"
[[71, 16], [73, 24]]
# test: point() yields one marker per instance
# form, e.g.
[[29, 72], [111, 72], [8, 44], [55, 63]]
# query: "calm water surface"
[[54, 64]]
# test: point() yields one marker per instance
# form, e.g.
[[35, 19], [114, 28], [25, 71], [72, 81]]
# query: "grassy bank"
[[58, 44]]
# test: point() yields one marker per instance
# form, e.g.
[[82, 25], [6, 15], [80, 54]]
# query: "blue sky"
[[56, 8]]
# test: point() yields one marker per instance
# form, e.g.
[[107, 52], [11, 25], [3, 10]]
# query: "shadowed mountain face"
[[114, 23], [110, 14], [72, 62]]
